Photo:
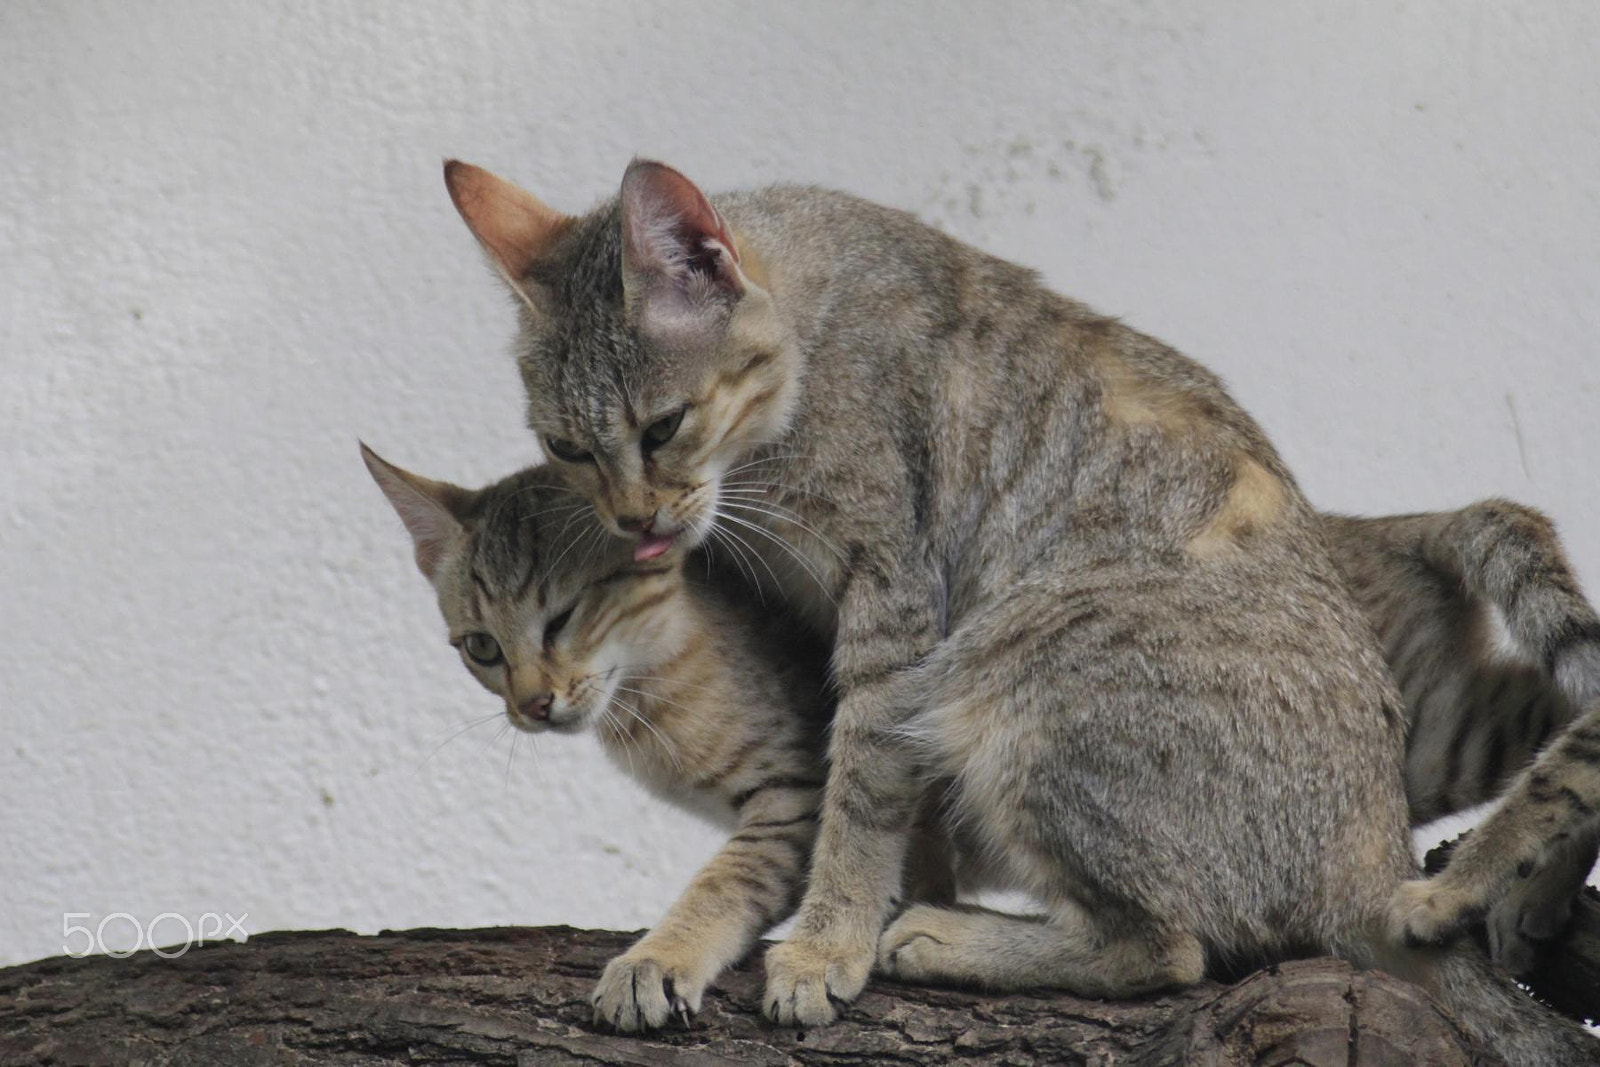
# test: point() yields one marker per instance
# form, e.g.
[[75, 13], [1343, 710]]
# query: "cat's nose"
[[635, 523], [538, 706]]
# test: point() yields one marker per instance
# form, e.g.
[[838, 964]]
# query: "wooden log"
[[518, 996]]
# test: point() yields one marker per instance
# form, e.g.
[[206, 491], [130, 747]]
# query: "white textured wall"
[[225, 252]]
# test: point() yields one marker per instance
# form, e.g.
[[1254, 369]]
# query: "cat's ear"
[[431, 510], [678, 254], [511, 224]]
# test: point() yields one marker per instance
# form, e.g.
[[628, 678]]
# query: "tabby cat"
[[1538, 649], [1495, 650], [1061, 569], [714, 701], [688, 685]]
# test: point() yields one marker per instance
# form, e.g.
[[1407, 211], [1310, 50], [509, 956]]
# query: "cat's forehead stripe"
[[528, 578]]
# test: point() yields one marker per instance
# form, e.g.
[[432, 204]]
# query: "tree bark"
[[521, 997]]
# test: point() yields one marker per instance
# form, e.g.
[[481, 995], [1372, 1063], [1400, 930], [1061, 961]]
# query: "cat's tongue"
[[650, 546]]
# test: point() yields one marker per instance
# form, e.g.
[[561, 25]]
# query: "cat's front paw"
[[809, 980], [638, 992], [1429, 911]]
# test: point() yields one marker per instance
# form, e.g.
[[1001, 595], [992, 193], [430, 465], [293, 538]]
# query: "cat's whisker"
[[666, 745], [563, 511], [599, 539], [473, 725], [790, 517], [722, 540], [606, 718], [735, 539], [795, 553], [498, 734], [653, 696], [738, 553], [501, 504], [670, 681], [581, 514], [627, 734], [764, 496], [765, 486], [511, 755], [580, 508], [787, 457], [570, 544]]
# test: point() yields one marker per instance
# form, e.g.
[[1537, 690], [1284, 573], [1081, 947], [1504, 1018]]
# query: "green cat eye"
[[662, 430], [566, 450], [482, 649]]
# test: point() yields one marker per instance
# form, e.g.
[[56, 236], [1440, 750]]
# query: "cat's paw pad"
[[809, 982], [641, 993], [1429, 912], [916, 946]]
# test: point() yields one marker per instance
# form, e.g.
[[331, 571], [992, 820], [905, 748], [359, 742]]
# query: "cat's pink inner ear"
[[669, 227], [426, 507], [510, 222]]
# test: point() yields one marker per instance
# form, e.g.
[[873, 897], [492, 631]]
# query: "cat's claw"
[[638, 993], [809, 984]]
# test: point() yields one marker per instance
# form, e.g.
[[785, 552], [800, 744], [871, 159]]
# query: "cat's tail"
[[1492, 1010], [1509, 555]]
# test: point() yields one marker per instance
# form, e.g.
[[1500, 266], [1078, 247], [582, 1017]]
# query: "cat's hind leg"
[[1067, 949]]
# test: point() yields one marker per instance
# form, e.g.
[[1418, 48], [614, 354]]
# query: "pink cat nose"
[[538, 706]]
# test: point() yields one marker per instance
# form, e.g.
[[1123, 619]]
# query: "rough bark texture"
[[520, 997]]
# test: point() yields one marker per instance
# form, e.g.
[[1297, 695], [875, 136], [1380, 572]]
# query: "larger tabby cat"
[[708, 699], [1061, 567]]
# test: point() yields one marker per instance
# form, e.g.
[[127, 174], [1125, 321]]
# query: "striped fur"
[[1481, 621], [691, 687], [1060, 567], [1496, 651]]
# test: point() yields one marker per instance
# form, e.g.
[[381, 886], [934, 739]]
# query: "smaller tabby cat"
[[689, 686]]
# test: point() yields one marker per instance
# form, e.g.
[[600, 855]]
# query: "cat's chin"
[[576, 724]]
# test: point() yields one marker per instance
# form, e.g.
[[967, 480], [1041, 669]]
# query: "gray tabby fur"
[[1062, 570]]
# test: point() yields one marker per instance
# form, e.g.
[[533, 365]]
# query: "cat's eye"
[[662, 430], [553, 628], [566, 450], [482, 649]]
